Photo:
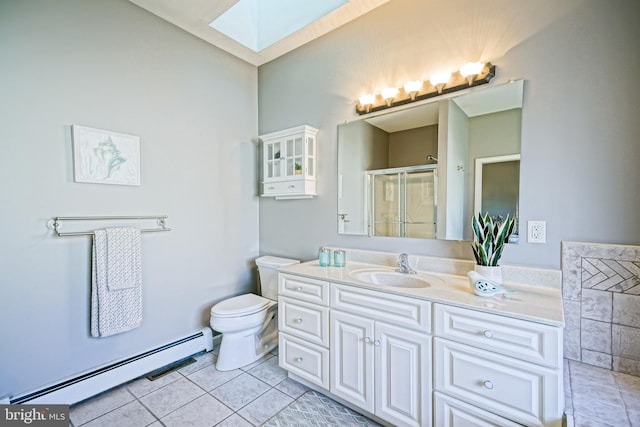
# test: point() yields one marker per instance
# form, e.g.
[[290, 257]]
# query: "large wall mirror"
[[425, 170]]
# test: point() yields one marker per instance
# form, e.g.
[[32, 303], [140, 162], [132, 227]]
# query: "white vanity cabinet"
[[409, 361], [485, 363], [380, 354], [289, 163]]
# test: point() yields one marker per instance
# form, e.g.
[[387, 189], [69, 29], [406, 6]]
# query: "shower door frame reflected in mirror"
[[405, 216], [492, 117]]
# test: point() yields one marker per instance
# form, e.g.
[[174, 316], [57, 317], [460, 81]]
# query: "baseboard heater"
[[89, 384]]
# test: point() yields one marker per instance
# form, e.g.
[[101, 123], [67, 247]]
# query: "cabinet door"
[[294, 155], [310, 170], [351, 354], [403, 375], [273, 155]]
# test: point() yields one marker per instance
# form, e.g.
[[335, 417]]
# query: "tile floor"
[[200, 395], [601, 398]]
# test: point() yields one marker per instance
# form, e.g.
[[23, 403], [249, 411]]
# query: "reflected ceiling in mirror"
[[411, 173]]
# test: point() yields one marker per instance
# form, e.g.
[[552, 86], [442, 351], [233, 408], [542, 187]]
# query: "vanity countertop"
[[535, 303]]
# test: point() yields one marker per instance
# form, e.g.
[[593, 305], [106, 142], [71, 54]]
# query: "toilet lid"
[[274, 261], [240, 305]]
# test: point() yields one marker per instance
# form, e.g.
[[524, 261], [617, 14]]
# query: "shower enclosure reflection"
[[403, 202], [411, 173]]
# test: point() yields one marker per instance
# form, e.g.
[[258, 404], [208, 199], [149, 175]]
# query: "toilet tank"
[[267, 268]]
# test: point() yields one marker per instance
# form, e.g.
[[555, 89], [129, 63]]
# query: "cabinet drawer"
[[289, 187], [517, 390], [304, 359], [410, 312], [529, 341], [283, 187], [303, 320], [450, 412], [302, 288]]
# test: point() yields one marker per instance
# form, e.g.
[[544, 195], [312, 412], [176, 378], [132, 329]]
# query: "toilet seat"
[[241, 305]]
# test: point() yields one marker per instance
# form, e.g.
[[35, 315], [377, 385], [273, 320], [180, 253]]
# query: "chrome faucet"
[[403, 265]]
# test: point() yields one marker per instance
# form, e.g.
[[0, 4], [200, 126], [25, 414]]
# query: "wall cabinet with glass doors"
[[289, 163]]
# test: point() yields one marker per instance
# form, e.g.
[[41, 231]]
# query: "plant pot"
[[492, 273]]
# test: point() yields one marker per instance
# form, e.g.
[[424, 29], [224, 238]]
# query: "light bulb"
[[439, 80], [389, 93], [412, 88], [367, 100], [470, 70]]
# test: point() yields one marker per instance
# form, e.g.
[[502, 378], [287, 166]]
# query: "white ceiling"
[[195, 16]]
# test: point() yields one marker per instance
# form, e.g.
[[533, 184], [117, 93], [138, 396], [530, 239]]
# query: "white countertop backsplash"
[[538, 297]]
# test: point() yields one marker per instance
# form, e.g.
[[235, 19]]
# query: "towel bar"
[[56, 223]]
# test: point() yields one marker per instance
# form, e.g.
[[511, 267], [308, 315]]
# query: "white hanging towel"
[[116, 285]]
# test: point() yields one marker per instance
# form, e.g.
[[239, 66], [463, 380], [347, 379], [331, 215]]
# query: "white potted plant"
[[489, 239]]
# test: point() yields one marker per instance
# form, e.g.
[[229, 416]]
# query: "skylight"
[[257, 24]]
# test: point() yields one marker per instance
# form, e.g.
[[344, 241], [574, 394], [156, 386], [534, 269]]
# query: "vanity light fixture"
[[470, 70], [439, 80], [389, 94], [412, 88], [470, 74]]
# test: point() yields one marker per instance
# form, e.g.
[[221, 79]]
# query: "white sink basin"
[[390, 278]]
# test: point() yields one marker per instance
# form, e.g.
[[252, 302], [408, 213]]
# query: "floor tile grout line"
[[124, 386], [149, 409], [271, 387], [256, 398], [292, 402], [585, 371]]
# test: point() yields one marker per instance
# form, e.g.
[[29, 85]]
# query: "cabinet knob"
[[299, 289], [292, 186], [487, 333], [488, 384], [298, 359], [376, 343], [367, 340], [297, 320]]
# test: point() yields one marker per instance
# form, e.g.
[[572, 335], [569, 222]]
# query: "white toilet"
[[249, 323]]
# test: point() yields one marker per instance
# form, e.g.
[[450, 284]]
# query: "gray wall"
[[114, 66], [411, 147], [580, 126]]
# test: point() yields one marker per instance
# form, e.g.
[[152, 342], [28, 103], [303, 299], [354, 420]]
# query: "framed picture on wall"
[[105, 157]]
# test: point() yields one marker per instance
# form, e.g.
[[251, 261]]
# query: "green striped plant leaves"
[[489, 238]]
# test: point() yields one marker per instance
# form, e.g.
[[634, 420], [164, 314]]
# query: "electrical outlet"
[[537, 231]]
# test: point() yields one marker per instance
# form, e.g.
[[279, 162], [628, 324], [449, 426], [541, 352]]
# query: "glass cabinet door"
[[272, 160], [294, 156], [311, 156]]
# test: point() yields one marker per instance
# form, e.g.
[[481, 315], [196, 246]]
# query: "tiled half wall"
[[601, 292]]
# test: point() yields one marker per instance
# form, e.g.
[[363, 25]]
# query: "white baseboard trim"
[[89, 384]]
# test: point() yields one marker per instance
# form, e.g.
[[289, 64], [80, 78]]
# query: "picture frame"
[[105, 157]]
